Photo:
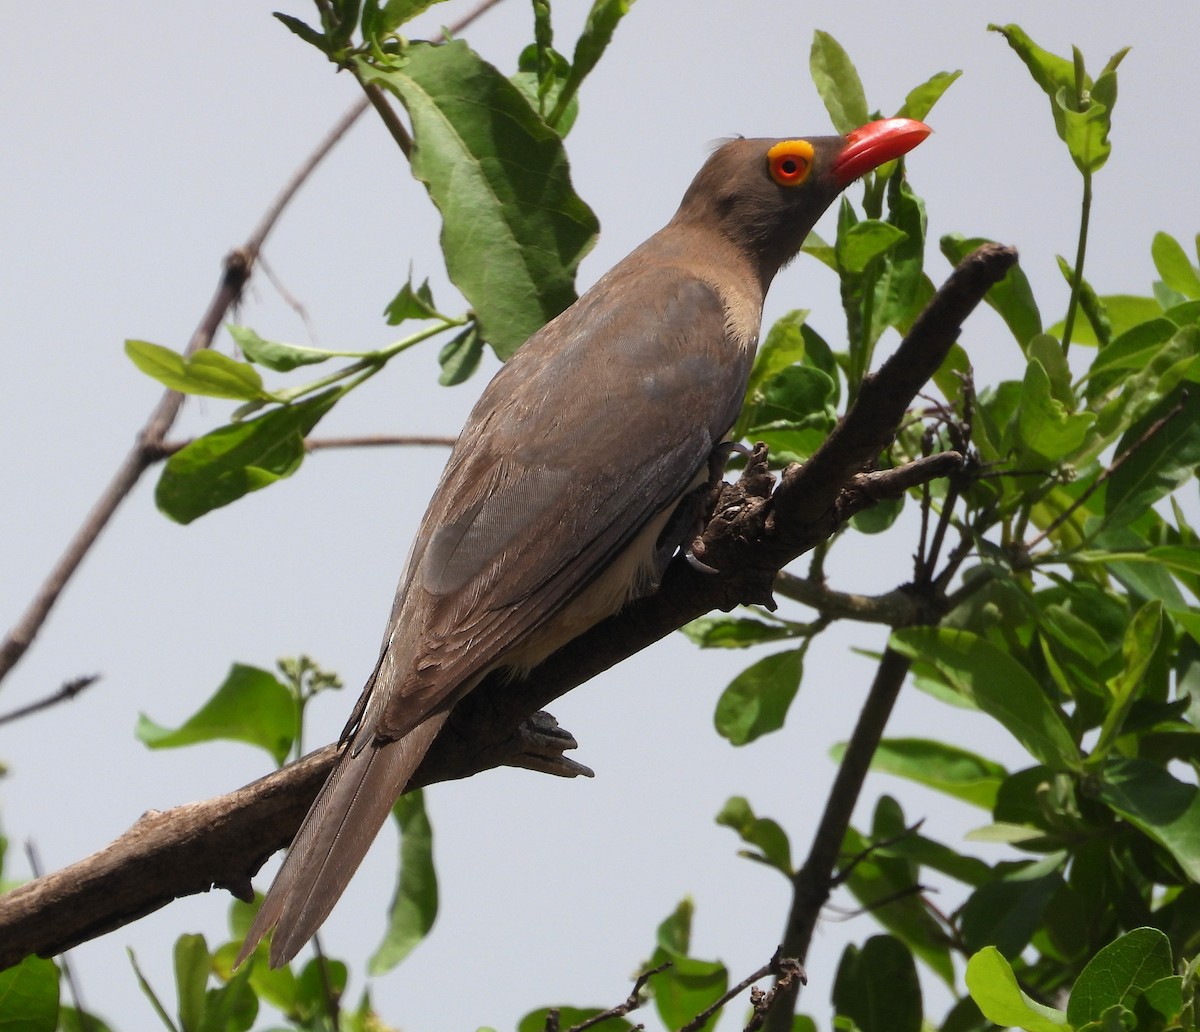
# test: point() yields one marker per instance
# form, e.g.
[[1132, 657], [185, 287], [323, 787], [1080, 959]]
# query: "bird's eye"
[[790, 161]]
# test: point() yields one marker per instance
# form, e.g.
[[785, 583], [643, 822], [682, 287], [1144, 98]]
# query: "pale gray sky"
[[143, 140]]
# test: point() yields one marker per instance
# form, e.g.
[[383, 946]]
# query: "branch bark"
[[755, 529]]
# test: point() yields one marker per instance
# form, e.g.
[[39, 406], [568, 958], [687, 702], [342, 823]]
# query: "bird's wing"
[[598, 426]]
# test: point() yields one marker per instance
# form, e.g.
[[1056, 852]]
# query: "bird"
[[556, 505]]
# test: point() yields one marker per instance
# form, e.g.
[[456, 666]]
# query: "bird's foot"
[[543, 743]]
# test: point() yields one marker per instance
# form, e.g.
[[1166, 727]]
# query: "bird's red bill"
[[869, 146]]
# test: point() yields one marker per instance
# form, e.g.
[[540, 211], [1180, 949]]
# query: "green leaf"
[[1006, 913], [938, 765], [415, 903], [1048, 351], [207, 373], [730, 632], [993, 986], [569, 1017], [877, 986], [460, 357], [783, 347], [306, 32], [1012, 297], [320, 979], [532, 81], [231, 1007], [397, 12], [1044, 424], [768, 838], [249, 706], [865, 241], [1086, 132], [884, 881], [597, 33], [69, 1020], [689, 985], [192, 968], [232, 461], [29, 996], [1124, 311], [953, 373], [411, 304], [1173, 266], [921, 99], [1140, 641], [281, 357], [1082, 110], [1158, 466], [838, 83], [756, 701], [513, 230], [1159, 805], [1131, 350], [998, 685], [1163, 374], [799, 396], [901, 274], [1120, 973]]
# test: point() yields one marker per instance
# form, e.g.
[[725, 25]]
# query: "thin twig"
[[631, 1003], [313, 444], [67, 691], [779, 966], [893, 609], [378, 441], [289, 299], [790, 973], [848, 867]]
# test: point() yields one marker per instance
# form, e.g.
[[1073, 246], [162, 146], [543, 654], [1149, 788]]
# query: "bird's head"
[[766, 195]]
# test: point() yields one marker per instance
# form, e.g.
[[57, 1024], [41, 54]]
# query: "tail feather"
[[335, 836]]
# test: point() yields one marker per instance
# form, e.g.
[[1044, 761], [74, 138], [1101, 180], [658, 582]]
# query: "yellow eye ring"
[[789, 162]]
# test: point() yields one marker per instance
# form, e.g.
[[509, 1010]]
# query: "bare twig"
[[290, 300], [631, 1003], [893, 609], [848, 867], [790, 972], [67, 691], [780, 967], [378, 441]]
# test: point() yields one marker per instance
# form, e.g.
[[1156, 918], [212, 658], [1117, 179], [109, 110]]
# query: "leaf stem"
[[1077, 278], [371, 361]]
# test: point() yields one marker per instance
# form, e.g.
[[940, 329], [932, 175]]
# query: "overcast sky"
[[144, 140]]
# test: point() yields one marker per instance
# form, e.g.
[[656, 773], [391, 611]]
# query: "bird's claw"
[[543, 743]]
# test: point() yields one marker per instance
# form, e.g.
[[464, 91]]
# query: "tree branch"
[[753, 532]]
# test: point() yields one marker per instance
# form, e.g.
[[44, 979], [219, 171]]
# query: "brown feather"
[[548, 515]]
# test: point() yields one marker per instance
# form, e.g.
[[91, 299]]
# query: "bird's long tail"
[[343, 821]]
